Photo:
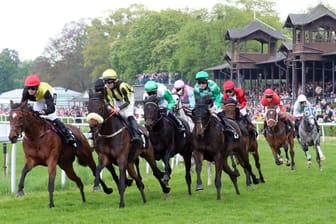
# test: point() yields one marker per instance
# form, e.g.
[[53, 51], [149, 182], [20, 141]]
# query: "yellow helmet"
[[110, 74]]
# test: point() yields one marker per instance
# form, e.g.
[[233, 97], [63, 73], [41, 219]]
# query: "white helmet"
[[302, 98]]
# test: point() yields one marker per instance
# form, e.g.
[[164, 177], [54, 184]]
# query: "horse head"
[[201, 118], [272, 117], [152, 112], [20, 116], [309, 115], [229, 108], [97, 109]]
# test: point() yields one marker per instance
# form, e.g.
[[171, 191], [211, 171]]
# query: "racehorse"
[[113, 145], [229, 110], [310, 136], [43, 146], [212, 144], [166, 140], [276, 137]]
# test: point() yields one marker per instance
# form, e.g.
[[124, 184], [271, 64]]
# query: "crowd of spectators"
[[323, 101]]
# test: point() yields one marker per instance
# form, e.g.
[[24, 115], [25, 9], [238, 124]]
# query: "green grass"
[[301, 196]]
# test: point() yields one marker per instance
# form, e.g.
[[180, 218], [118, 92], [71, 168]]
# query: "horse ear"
[[24, 103]]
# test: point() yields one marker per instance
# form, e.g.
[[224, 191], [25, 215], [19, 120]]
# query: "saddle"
[[226, 125]]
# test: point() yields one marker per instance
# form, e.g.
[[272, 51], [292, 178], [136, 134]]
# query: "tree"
[[65, 60], [9, 62]]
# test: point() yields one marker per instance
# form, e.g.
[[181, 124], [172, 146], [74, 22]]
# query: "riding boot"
[[178, 123], [296, 125], [135, 136], [317, 126], [250, 126], [288, 126], [227, 126], [66, 133]]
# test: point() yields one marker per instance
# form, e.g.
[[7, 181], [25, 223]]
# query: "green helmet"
[[202, 75], [151, 86]]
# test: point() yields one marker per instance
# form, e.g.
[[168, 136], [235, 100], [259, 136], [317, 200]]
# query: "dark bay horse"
[[43, 146], [310, 136], [229, 110], [212, 144], [277, 137], [113, 145], [166, 140]]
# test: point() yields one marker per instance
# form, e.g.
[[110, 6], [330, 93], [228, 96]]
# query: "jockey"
[[298, 110], [120, 95], [44, 104], [208, 88], [166, 102], [271, 99], [186, 93], [238, 94]]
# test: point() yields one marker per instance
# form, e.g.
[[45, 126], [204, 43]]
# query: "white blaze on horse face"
[[14, 115]]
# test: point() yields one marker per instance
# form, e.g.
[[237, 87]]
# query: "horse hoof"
[[166, 190], [129, 182], [20, 194], [322, 158], [199, 187], [309, 164], [108, 191], [96, 188]]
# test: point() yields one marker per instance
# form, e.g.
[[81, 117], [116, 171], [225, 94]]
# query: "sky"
[[27, 25]]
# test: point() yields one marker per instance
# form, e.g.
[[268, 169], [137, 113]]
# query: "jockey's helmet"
[[32, 80], [202, 75], [302, 98], [110, 74], [268, 92], [228, 85], [179, 84], [151, 86]]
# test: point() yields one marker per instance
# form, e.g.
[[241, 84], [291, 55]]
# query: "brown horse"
[[276, 137], [113, 145], [43, 146], [229, 110], [212, 144]]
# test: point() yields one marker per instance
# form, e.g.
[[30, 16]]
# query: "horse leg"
[[292, 153], [198, 167], [209, 171], [139, 183], [232, 175], [233, 163], [70, 172], [97, 176], [149, 157], [218, 182], [319, 151], [277, 156], [90, 162], [24, 172], [166, 176], [244, 162], [307, 154], [187, 164], [51, 184], [255, 155], [318, 156], [121, 184]]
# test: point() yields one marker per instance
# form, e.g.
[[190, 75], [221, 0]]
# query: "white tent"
[[64, 96]]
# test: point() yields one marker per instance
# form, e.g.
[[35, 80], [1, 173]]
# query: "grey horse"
[[310, 136]]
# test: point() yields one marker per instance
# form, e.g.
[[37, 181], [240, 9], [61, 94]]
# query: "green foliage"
[[9, 63], [301, 196]]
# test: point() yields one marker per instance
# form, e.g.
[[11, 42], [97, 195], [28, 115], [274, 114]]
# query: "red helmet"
[[268, 92], [228, 85], [32, 80]]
